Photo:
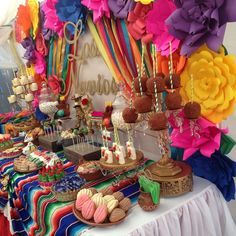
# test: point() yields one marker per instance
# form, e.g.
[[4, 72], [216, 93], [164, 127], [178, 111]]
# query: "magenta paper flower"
[[155, 24], [52, 21], [206, 140], [99, 8], [40, 64], [196, 22]]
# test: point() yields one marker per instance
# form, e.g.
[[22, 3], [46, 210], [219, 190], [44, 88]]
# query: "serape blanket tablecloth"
[[35, 211]]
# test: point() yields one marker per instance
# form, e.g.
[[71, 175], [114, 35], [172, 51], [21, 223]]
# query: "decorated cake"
[[100, 208], [5, 141]]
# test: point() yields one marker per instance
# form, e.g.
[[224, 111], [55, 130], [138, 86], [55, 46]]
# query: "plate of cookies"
[[101, 208]]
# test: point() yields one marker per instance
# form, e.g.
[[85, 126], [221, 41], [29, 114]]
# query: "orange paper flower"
[[23, 22]]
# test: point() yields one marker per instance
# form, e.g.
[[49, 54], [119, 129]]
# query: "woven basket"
[[65, 196]]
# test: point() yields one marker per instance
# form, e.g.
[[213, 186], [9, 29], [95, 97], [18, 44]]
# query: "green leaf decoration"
[[226, 144]]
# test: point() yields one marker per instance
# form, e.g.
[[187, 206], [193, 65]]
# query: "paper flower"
[[144, 2], [137, 22], [219, 169], [99, 8], [206, 140], [214, 79], [40, 63], [34, 15], [40, 45], [121, 8], [155, 24], [47, 33], [23, 23], [178, 63], [51, 19], [199, 22], [54, 84], [71, 10], [29, 54]]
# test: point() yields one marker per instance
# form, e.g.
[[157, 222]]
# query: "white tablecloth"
[[203, 212]]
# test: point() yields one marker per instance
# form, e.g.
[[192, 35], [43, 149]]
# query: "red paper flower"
[[54, 84], [84, 101]]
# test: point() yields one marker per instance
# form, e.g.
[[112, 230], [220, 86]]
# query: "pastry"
[[117, 215], [109, 198], [157, 121], [80, 201], [118, 196], [112, 205], [125, 204], [98, 200], [88, 209], [192, 110], [85, 191], [94, 190], [129, 115], [173, 101], [106, 191], [143, 104], [100, 214]]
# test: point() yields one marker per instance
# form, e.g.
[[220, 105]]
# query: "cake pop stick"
[[153, 61], [171, 58], [156, 96], [156, 63], [171, 78], [142, 63], [139, 80], [191, 81], [132, 94]]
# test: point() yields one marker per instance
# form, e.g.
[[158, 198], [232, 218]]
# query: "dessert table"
[[32, 210]]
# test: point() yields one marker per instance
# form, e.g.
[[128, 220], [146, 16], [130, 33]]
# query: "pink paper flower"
[[206, 140], [99, 8], [40, 64], [52, 21], [155, 24], [54, 84]]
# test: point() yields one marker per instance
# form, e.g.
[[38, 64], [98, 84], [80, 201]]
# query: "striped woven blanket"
[[35, 211]]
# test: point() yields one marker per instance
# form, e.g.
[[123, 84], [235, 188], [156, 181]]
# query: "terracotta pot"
[[145, 201]]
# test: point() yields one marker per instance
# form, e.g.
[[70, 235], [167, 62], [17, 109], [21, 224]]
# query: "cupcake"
[[173, 101], [192, 110], [157, 121], [129, 115], [160, 82], [143, 104], [143, 84]]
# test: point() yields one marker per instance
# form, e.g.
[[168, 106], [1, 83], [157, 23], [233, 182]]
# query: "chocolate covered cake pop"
[[143, 84], [192, 110], [173, 101], [129, 115], [158, 121], [143, 104], [175, 81], [160, 82]]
